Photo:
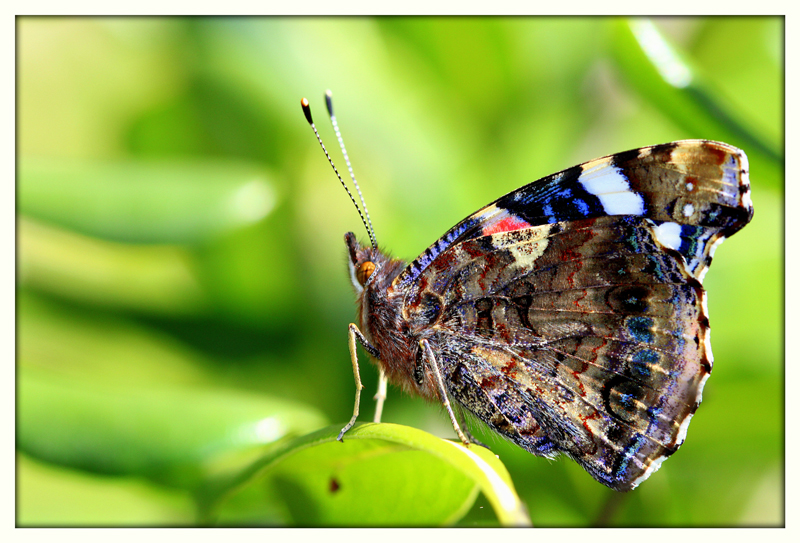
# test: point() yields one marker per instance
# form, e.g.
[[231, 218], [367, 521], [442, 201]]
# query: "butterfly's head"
[[363, 260]]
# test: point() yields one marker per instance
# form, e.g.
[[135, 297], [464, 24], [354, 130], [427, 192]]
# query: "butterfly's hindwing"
[[581, 314]]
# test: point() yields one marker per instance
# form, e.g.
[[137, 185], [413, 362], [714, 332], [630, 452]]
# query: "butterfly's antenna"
[[329, 104], [307, 112]]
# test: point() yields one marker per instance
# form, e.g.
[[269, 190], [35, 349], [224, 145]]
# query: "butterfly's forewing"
[[696, 191], [569, 314]]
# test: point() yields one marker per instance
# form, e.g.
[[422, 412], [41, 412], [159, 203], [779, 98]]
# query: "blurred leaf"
[[82, 79], [663, 77], [161, 280], [179, 202], [105, 349], [169, 435], [254, 274], [753, 53], [50, 496], [214, 117], [382, 475], [765, 507]]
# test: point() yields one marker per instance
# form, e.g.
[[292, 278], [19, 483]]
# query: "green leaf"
[[160, 202], [381, 475], [173, 436]]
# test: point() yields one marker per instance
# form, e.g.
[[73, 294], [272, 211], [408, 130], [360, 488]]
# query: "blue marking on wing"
[[559, 197], [641, 362], [624, 459], [641, 329], [548, 211], [582, 207], [459, 232]]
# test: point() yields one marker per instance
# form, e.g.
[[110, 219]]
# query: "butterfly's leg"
[[354, 334], [380, 397], [467, 432], [430, 358]]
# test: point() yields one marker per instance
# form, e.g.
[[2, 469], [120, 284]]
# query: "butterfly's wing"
[[588, 334]]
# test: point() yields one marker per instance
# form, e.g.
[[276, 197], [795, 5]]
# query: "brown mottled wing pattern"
[[588, 336]]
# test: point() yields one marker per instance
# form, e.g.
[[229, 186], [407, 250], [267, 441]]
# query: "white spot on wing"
[[688, 210], [669, 234], [612, 189]]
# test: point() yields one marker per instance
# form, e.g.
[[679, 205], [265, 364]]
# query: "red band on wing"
[[506, 225]]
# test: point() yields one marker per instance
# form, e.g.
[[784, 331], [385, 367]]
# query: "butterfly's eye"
[[364, 271]]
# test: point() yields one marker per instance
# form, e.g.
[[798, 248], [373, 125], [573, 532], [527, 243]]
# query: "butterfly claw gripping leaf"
[[568, 315]]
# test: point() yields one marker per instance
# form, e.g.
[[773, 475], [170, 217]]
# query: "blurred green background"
[[182, 296]]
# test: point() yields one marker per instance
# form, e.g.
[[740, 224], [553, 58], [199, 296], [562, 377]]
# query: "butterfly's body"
[[568, 315], [380, 319]]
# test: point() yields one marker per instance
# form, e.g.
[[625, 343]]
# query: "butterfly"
[[569, 315]]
